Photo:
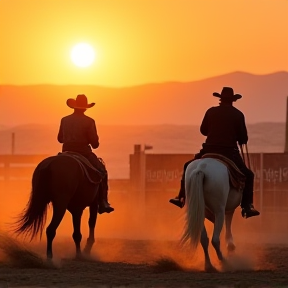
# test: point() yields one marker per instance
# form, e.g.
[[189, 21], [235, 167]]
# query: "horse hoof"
[[79, 257], [49, 260], [211, 269], [87, 252], [49, 257], [231, 247]]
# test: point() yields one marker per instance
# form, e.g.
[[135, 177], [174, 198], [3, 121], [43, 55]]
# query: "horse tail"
[[195, 212], [32, 220]]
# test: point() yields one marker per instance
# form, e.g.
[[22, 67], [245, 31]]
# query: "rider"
[[77, 132], [224, 126]]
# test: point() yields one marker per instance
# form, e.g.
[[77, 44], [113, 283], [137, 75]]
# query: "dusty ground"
[[143, 263]]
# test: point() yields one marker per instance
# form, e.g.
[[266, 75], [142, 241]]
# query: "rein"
[[247, 154]]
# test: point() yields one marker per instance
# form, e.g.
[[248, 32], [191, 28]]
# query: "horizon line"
[[150, 83], [5, 126]]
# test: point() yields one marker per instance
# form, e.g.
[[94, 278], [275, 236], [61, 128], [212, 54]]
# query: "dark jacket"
[[224, 126], [77, 132]]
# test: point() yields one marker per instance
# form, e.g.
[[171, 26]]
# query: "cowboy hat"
[[227, 93], [80, 102]]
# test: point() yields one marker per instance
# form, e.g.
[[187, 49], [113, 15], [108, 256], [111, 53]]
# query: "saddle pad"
[[236, 177], [94, 175]]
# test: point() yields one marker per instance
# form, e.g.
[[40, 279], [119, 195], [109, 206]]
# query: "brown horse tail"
[[32, 220]]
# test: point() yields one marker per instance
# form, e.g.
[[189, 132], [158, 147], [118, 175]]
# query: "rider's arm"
[[93, 135], [60, 133], [242, 131], [204, 125]]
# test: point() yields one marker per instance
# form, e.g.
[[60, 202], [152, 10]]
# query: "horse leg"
[[92, 222], [205, 243], [58, 214], [228, 236], [77, 236], [218, 225]]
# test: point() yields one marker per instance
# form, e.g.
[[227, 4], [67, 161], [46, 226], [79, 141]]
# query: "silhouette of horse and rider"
[[72, 180], [213, 184]]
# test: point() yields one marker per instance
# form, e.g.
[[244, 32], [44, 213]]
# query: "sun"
[[82, 55]]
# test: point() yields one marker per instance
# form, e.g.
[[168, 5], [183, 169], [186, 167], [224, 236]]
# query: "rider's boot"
[[249, 211], [104, 206], [180, 199]]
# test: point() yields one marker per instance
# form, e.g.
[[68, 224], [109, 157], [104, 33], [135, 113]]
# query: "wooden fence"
[[18, 166], [272, 201], [15, 168]]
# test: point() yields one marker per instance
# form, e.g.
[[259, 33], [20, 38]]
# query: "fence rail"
[[19, 166], [15, 168]]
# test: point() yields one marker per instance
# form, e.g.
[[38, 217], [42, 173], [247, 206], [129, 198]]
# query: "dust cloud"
[[131, 235]]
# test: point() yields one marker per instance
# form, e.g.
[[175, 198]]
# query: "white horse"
[[209, 195]]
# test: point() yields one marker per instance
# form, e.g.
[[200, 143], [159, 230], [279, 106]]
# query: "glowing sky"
[[140, 41]]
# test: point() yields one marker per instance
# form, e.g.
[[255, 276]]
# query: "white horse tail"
[[195, 212]]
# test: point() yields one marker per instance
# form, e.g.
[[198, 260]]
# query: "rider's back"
[[77, 132], [224, 125]]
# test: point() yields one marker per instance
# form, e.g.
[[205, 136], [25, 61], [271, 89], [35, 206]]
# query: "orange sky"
[[140, 41]]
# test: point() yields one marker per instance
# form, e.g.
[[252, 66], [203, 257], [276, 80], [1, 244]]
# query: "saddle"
[[236, 177], [93, 174]]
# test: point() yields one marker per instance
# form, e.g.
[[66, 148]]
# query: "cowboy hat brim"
[[234, 97], [72, 104]]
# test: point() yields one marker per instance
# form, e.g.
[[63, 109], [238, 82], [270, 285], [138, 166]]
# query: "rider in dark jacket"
[[78, 133], [224, 127]]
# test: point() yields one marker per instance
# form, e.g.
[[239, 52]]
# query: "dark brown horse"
[[61, 181]]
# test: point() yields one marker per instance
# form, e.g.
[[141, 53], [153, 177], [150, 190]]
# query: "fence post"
[[6, 170], [13, 143], [142, 192], [261, 186]]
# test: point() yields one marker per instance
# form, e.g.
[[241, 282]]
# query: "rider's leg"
[[248, 209], [104, 206], [179, 200]]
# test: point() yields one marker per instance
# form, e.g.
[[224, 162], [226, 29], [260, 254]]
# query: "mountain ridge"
[[283, 72], [182, 103]]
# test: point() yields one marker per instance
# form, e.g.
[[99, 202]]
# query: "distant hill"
[[264, 100]]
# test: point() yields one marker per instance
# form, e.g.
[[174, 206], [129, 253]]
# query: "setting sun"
[[83, 55]]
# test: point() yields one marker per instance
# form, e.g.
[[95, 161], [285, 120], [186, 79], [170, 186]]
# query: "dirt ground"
[[142, 263], [120, 259]]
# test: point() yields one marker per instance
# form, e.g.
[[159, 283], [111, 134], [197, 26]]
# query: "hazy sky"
[[140, 41]]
